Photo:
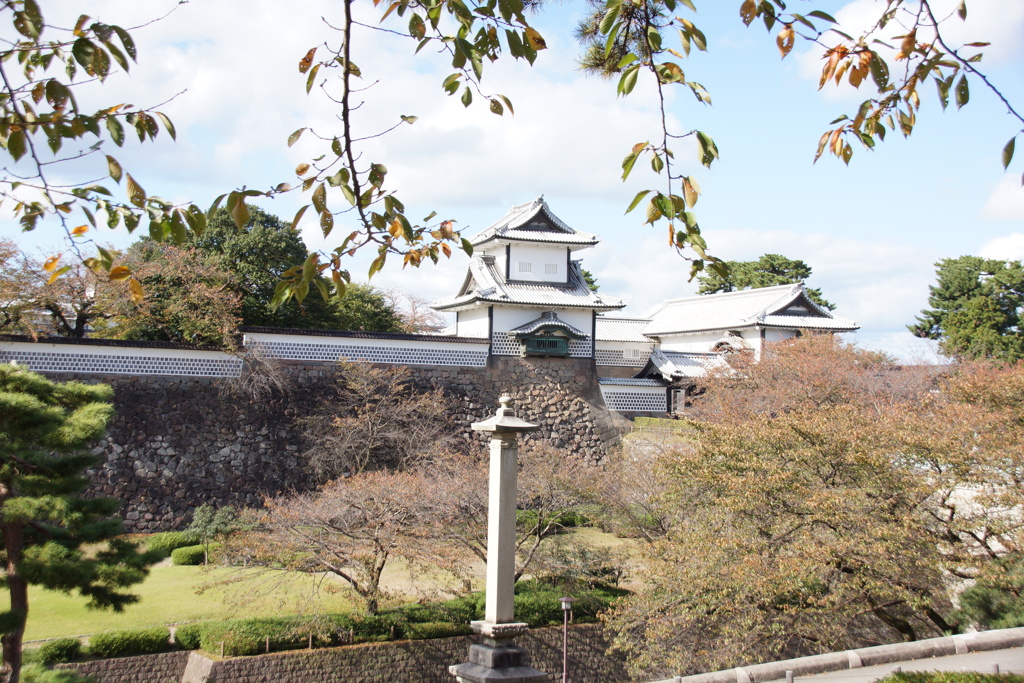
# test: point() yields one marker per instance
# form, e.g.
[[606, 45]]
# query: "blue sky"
[[871, 231]]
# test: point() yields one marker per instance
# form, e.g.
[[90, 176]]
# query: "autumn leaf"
[[908, 45], [785, 40], [307, 61]]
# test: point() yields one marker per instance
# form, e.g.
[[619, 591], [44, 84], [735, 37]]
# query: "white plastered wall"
[[510, 317], [473, 323], [540, 260]]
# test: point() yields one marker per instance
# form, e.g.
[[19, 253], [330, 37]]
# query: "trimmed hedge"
[[37, 673], [135, 642], [189, 555], [951, 677], [187, 636], [435, 629], [169, 541], [60, 651], [537, 603]]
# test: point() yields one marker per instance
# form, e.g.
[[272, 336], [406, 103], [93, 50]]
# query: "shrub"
[[37, 673], [435, 629], [135, 642], [538, 604], [951, 677], [59, 651], [188, 636], [189, 555], [994, 600], [169, 541]]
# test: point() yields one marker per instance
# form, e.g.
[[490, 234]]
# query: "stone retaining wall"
[[169, 666], [179, 442], [414, 661]]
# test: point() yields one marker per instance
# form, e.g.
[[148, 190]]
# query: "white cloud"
[[1006, 200], [1008, 247]]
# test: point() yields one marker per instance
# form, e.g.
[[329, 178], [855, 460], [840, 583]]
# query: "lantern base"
[[497, 660]]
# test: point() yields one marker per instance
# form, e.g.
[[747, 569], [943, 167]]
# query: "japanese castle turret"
[[525, 292]]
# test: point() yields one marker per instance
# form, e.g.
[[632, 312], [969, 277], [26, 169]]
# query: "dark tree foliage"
[[46, 522], [994, 601], [257, 256], [975, 308], [768, 271]]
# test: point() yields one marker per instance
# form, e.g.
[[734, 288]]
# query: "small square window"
[[551, 268], [525, 267]]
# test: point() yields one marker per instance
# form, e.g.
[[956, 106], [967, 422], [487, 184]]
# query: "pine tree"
[[44, 518]]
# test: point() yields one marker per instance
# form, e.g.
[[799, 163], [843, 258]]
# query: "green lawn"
[[169, 595]]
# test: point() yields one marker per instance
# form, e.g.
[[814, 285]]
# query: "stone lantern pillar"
[[498, 658]]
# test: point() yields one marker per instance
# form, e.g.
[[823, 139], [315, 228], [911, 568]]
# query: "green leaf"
[[818, 14], [628, 163], [417, 29], [325, 291], [377, 264], [467, 97], [1008, 152], [608, 20], [196, 219], [312, 77], [126, 42], [961, 10], [963, 93], [114, 169], [348, 194], [628, 80], [708, 151], [637, 199], [16, 144], [467, 247], [178, 229], [409, 119], [326, 222], [239, 211], [320, 198], [294, 137], [115, 129], [298, 217], [879, 71], [309, 266]]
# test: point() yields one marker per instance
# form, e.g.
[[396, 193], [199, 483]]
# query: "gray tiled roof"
[[679, 365], [621, 329], [548, 319], [534, 222], [764, 307], [484, 284], [631, 381]]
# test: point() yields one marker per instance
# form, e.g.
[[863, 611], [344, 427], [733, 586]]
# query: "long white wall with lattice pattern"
[[368, 350], [638, 399], [628, 358], [119, 360]]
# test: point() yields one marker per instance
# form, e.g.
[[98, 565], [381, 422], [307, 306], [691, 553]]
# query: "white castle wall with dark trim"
[[184, 435]]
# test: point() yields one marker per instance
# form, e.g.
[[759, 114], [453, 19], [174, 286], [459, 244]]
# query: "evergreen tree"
[[259, 253], [975, 309], [45, 521], [768, 271]]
